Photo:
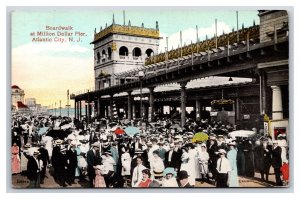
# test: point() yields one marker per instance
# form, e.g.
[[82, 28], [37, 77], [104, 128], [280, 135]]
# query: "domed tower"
[[120, 48]]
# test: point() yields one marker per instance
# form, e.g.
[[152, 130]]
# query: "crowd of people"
[[162, 154]]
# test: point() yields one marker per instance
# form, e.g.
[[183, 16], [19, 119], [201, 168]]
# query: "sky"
[[46, 70]]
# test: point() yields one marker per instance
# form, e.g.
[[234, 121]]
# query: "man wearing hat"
[[277, 162], [54, 157], [62, 167], [93, 159], [72, 163], [172, 158], [182, 177], [223, 169], [44, 156], [212, 150], [34, 167]]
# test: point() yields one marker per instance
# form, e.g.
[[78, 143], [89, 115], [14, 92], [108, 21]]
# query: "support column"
[[111, 108], [133, 111], [75, 109], [88, 108], [151, 103], [198, 110], [183, 102], [98, 107], [129, 108], [276, 103], [80, 110], [237, 102]]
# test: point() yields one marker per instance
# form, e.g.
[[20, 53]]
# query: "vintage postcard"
[[149, 98]]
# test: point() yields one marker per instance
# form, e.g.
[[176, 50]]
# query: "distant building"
[[31, 103], [17, 99]]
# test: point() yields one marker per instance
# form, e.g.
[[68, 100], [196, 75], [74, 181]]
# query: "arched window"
[[123, 51], [103, 53], [136, 52], [98, 57], [109, 52], [149, 52]]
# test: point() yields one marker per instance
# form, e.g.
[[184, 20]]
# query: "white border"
[[244, 192]]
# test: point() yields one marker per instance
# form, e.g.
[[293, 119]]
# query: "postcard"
[[149, 98]]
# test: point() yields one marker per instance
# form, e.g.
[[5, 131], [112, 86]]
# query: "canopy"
[[61, 134], [241, 133], [119, 131], [200, 137], [131, 131], [43, 130]]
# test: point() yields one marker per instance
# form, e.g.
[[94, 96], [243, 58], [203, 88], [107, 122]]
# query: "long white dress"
[[126, 164], [188, 164]]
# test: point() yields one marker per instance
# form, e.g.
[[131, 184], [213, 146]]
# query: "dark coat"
[[276, 157], [44, 156], [92, 160], [72, 158], [32, 169], [259, 158], [175, 160]]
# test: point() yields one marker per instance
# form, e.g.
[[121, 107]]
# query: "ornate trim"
[[127, 30]]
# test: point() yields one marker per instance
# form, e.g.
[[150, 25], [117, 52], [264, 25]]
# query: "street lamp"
[[141, 74]]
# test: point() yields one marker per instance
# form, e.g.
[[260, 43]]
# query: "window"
[[109, 52], [149, 52], [136, 52], [123, 51], [98, 57]]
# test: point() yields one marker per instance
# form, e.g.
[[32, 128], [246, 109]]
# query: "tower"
[[120, 48]]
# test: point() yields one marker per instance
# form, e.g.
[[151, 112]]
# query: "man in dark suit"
[[212, 150], [72, 163], [277, 162], [93, 159], [172, 158], [182, 177], [44, 156], [34, 170]]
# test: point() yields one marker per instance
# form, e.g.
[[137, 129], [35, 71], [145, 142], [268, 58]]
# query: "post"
[[88, 108], [111, 104], [99, 107], [68, 103], [129, 112], [141, 100], [183, 102], [151, 103], [237, 26], [75, 109], [216, 24], [60, 108], [277, 113], [198, 110], [80, 113]]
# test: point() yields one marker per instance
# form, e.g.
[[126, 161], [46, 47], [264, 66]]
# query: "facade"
[[120, 48]]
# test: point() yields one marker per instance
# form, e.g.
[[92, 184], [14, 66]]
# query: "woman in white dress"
[[203, 162], [126, 164]]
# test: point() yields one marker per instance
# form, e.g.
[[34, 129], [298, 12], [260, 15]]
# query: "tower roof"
[[126, 30], [15, 87]]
